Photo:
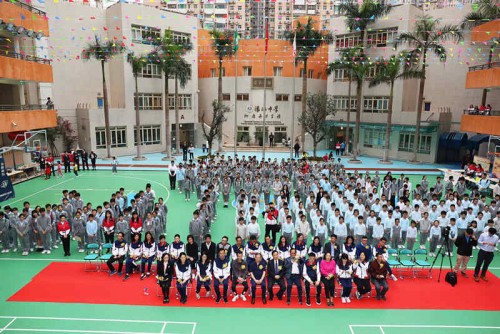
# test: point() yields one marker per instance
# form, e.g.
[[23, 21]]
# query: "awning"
[[452, 140], [475, 141], [381, 126]]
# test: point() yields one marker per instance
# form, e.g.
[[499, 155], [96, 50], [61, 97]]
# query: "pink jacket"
[[327, 267]]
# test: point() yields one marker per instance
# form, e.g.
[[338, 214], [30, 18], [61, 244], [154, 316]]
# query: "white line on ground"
[[381, 329], [163, 328], [194, 328], [427, 326], [10, 323], [38, 192], [351, 329], [71, 331], [104, 320]]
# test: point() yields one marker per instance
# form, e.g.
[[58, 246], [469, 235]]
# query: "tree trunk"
[[177, 126], [389, 124], [106, 112], [219, 99], [304, 103], [168, 137], [420, 103], [315, 146], [359, 100], [348, 127], [137, 119]]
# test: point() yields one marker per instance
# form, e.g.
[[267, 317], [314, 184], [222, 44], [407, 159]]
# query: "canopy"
[[475, 141], [452, 140]]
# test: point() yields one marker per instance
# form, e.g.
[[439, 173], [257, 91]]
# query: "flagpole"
[[235, 104], [292, 141], [265, 93]]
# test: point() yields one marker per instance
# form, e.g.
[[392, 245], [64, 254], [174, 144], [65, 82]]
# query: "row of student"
[[294, 269]]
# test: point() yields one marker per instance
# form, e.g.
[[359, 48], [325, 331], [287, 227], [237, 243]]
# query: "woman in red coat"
[[135, 224], [64, 229], [108, 225]]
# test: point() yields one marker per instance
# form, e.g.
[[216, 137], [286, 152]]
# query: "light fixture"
[[14, 124], [20, 30], [10, 27], [29, 33], [39, 35]]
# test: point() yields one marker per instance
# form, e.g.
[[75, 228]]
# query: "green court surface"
[[96, 187]]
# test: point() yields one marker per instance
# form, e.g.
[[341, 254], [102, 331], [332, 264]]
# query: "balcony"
[[23, 15], [21, 67], [25, 118], [483, 76], [489, 125]]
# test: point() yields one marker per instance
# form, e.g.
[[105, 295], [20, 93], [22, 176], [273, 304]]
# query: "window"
[[184, 101], [144, 34], [340, 75], [376, 104], [149, 101], [373, 72], [213, 72], [340, 103], [150, 71], [226, 97], [243, 134], [150, 135], [281, 97], [374, 138], [347, 41], [118, 137], [298, 97], [242, 97], [180, 37], [277, 71], [280, 134], [406, 141], [382, 37], [259, 83], [247, 71], [310, 73]]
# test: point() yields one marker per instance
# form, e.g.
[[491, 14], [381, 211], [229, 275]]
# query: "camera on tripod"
[[446, 233]]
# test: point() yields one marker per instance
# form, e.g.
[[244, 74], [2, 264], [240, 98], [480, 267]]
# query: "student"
[[120, 249], [241, 229], [239, 269], [4, 233], [148, 254], [122, 226], [411, 235], [43, 227], [396, 233], [114, 166], [22, 230], [183, 274], [378, 231], [361, 276], [186, 186], [222, 271], [435, 234], [135, 255], [79, 231], [453, 236], [312, 276], [165, 275], [203, 275], [344, 272], [64, 229]]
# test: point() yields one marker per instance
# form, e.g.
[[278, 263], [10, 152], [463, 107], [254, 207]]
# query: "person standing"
[[342, 148], [172, 174], [271, 140], [85, 160], [64, 229], [191, 152], [487, 243], [465, 244], [93, 159], [114, 165], [184, 148], [378, 275], [296, 149]]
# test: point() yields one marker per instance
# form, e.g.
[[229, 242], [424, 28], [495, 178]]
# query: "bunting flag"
[[236, 41], [294, 46], [267, 36]]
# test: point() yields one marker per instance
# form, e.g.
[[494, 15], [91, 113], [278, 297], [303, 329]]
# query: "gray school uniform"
[[424, 185], [79, 231], [226, 189], [123, 227], [44, 227], [461, 188], [438, 189], [22, 229], [396, 236], [149, 226], [13, 233], [4, 233], [196, 229]]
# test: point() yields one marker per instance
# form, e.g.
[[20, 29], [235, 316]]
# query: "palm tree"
[[182, 74], [222, 43], [344, 63], [395, 68], [166, 53], [428, 36], [137, 63], [360, 15], [486, 11], [103, 51], [307, 40]]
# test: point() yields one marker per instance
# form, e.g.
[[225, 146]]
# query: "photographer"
[[271, 216], [464, 244]]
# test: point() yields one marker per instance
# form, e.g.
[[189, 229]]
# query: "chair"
[[105, 257], [420, 257], [392, 260], [408, 264], [92, 255]]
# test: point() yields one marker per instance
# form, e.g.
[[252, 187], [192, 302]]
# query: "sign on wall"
[[254, 115], [6, 189]]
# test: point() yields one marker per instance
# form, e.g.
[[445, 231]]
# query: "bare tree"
[[319, 106], [219, 112]]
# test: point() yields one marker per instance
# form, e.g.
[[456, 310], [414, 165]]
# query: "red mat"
[[68, 283]]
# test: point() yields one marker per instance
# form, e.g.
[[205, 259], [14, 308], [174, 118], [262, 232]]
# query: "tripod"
[[444, 245]]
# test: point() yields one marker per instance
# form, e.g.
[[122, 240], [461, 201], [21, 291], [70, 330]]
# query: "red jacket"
[[63, 227], [136, 224], [108, 223]]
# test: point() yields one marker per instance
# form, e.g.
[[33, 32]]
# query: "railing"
[[13, 107], [484, 66], [477, 113], [28, 7], [25, 57]]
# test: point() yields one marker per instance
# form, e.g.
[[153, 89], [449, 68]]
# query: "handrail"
[[25, 57], [15, 107], [28, 7], [484, 66], [474, 113]]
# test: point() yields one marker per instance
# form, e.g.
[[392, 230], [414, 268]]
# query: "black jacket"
[[165, 274], [337, 251], [464, 248], [210, 251], [271, 270]]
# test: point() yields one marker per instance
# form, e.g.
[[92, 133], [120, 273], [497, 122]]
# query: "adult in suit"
[[209, 248], [293, 268], [464, 244], [276, 275], [165, 271], [332, 248]]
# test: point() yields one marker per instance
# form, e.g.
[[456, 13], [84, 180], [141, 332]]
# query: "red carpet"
[[68, 283]]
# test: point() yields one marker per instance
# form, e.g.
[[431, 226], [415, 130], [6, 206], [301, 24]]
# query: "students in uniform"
[[344, 272], [79, 231], [222, 271], [134, 255], [119, 252], [239, 269], [64, 229], [183, 274], [148, 254], [312, 276], [176, 248], [203, 275], [276, 275], [43, 226], [257, 271], [22, 230]]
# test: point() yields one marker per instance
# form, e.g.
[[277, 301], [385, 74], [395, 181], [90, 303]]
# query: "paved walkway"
[[154, 162]]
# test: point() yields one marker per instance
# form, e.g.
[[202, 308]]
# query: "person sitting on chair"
[[239, 275], [134, 254], [148, 254], [165, 273], [118, 255], [203, 275], [257, 271], [222, 270], [378, 274], [276, 275], [183, 273]]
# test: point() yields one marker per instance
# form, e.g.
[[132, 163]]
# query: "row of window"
[[145, 34], [150, 135], [277, 72], [376, 139], [246, 97], [154, 101], [379, 38], [373, 104], [343, 74]]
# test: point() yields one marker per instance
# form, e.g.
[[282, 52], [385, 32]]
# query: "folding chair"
[[392, 260], [105, 257], [406, 264], [92, 255], [420, 257]]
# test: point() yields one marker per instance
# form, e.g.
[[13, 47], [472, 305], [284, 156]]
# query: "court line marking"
[[381, 329], [71, 331], [425, 326], [105, 320], [194, 328], [40, 191], [10, 323], [163, 328]]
